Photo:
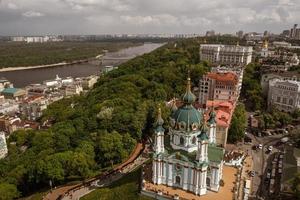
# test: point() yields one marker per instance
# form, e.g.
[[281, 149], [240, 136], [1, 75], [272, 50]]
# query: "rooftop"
[[10, 90], [223, 77]]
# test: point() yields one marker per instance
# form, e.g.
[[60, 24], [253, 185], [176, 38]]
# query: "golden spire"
[[160, 120], [265, 44], [188, 86]]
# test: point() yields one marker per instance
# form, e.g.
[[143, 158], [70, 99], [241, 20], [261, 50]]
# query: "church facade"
[[187, 158]]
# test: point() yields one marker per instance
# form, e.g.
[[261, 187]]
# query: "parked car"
[[259, 146], [252, 173]]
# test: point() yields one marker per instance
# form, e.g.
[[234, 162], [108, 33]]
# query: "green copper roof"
[[159, 122], [188, 97], [212, 118], [188, 116], [203, 136], [215, 154], [10, 90]]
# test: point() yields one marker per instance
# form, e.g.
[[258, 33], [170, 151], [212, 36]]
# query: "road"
[[260, 158]]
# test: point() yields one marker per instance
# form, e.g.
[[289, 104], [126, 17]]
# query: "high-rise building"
[[286, 33], [297, 34], [226, 54], [293, 31], [240, 34], [210, 33]]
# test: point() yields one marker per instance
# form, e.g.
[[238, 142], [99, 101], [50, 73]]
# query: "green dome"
[[188, 97], [159, 122], [203, 135], [187, 118], [212, 117]]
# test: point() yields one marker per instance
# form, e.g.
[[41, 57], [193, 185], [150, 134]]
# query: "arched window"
[[177, 180], [208, 182], [194, 140], [181, 140]]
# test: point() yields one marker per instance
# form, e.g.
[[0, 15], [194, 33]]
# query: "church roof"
[[215, 154], [186, 117], [159, 122]]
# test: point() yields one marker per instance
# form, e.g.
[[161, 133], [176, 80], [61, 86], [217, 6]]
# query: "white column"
[[170, 178], [185, 178], [154, 176], [164, 179], [197, 183]]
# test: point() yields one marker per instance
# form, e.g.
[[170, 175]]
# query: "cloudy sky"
[[34, 17]]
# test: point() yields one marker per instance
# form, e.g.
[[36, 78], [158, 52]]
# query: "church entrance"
[[177, 180], [208, 182]]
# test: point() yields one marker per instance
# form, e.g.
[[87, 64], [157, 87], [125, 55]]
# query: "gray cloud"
[[144, 16]]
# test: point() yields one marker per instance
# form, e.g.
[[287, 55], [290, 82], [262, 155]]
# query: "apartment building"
[[284, 95], [218, 86], [226, 54]]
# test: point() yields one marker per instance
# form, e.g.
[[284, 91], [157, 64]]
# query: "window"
[[291, 101], [177, 179], [278, 99], [284, 100], [194, 140], [181, 140]]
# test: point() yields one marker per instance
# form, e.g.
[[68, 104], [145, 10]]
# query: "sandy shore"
[[7, 69]]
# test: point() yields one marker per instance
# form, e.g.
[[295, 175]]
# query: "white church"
[[187, 158]]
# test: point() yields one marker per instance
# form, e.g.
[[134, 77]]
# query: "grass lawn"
[[127, 188], [37, 196]]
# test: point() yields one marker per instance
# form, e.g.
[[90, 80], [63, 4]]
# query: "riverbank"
[[15, 55], [23, 76], [8, 69]]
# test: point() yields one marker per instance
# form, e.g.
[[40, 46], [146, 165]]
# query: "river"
[[22, 78]]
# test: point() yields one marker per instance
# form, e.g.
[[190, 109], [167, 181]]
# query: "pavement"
[[225, 192], [260, 158]]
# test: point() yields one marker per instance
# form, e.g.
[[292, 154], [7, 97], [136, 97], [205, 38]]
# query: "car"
[[252, 173], [259, 146]]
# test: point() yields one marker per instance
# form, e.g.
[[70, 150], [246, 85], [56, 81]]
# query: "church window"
[[181, 141], [194, 140], [208, 182], [194, 126], [177, 179], [182, 125]]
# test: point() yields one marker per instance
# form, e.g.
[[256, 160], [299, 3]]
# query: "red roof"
[[224, 111], [223, 77]]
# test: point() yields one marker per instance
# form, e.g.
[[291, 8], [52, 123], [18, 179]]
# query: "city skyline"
[[40, 17]]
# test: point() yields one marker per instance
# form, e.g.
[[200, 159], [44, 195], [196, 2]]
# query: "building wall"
[[266, 78], [226, 54], [210, 89], [221, 135], [3, 145], [284, 95]]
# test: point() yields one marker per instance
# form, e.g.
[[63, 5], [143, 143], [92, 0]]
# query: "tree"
[[238, 124], [110, 148], [8, 191]]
